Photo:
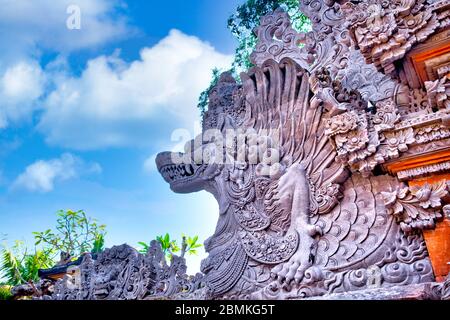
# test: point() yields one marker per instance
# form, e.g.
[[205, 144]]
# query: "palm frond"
[[5, 292], [10, 267]]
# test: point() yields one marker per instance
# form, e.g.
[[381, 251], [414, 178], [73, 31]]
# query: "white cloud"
[[42, 175], [113, 103], [30, 28], [27, 27], [20, 86]]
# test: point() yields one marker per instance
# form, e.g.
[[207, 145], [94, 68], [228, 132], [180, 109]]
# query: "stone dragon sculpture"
[[321, 217]]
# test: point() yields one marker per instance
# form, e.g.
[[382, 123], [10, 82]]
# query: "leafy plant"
[[75, 234], [18, 266], [143, 247], [169, 246], [99, 243], [5, 292], [191, 245]]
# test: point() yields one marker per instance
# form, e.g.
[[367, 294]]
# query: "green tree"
[[242, 24], [75, 234], [169, 246]]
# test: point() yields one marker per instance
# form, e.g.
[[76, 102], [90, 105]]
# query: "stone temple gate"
[[330, 162]]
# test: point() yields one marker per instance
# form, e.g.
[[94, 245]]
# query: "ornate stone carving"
[[277, 40], [295, 210], [409, 205], [405, 262], [385, 30], [121, 273], [422, 171], [306, 219], [439, 92], [330, 113], [412, 102], [293, 157], [386, 115], [445, 291]]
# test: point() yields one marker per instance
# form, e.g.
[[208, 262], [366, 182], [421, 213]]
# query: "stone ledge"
[[423, 291]]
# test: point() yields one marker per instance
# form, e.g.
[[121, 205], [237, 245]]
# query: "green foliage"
[[18, 266], [191, 245], [99, 243], [242, 24], [143, 247], [5, 292], [169, 246], [10, 267], [204, 96], [75, 234], [248, 16]]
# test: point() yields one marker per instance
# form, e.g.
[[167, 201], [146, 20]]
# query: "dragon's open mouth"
[[174, 172], [182, 177]]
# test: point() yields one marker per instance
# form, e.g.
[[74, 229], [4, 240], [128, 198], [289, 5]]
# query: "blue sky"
[[83, 112]]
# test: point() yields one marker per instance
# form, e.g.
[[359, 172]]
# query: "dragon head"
[[203, 158], [182, 177]]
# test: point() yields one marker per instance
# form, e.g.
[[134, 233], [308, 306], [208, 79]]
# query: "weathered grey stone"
[[422, 291], [317, 220], [293, 157], [122, 273]]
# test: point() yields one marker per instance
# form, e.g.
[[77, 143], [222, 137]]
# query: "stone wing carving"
[[317, 217]]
